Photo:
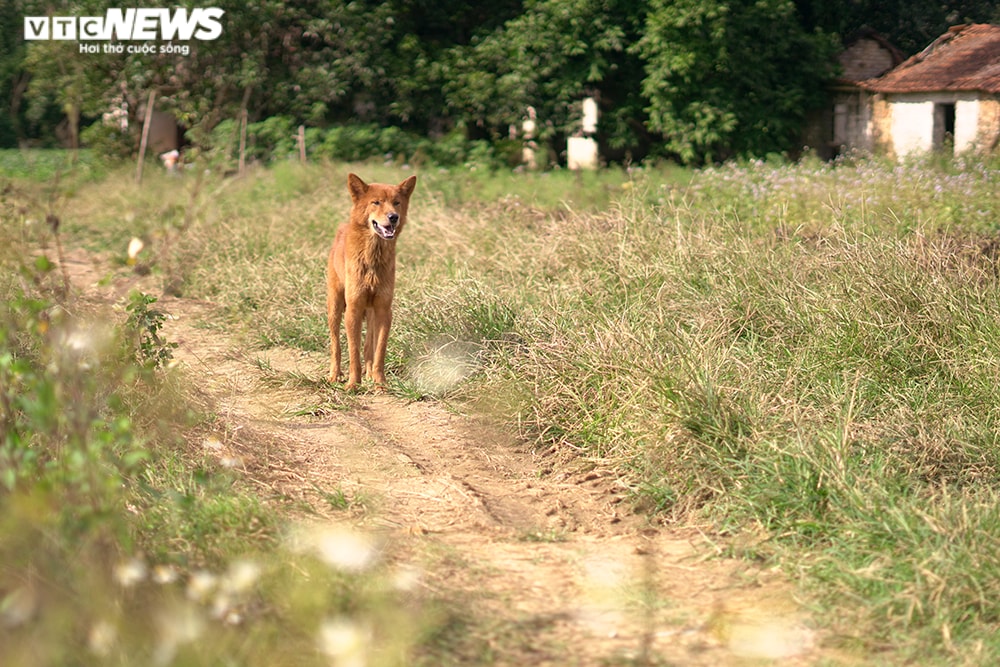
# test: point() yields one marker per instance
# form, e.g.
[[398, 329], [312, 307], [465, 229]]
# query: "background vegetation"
[[694, 80]]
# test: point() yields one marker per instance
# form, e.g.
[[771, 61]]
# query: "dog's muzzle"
[[387, 232]]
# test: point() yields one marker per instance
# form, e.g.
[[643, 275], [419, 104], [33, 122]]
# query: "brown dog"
[[361, 276]]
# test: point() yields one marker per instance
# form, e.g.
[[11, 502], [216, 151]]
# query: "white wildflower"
[[407, 578], [135, 246], [177, 625], [231, 462], [200, 585], [344, 642], [83, 344], [130, 573], [222, 605], [241, 577], [212, 444], [102, 638], [445, 367], [339, 546], [165, 574], [346, 549]]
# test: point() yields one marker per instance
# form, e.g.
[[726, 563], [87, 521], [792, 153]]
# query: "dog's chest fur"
[[374, 257]]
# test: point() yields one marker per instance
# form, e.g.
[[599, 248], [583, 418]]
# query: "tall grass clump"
[[803, 352]]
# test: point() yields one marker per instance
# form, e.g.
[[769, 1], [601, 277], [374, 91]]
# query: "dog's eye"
[[395, 203], [376, 203]]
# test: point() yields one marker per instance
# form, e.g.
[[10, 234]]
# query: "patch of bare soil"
[[539, 553]]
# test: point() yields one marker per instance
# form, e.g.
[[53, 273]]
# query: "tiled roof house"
[[946, 95]]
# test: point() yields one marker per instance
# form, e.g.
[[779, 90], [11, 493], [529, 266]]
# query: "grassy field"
[[803, 356]]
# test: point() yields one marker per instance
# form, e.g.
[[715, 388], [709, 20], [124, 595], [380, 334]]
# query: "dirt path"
[[540, 551]]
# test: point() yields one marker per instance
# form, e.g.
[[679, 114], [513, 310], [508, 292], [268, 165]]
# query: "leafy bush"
[[61, 407], [108, 141], [145, 323], [272, 138], [275, 139]]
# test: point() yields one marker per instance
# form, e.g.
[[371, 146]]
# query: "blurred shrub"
[[275, 139]]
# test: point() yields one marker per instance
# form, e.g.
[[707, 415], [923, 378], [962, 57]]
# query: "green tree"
[[419, 66], [306, 59], [549, 57], [909, 24], [59, 76], [310, 59], [331, 61], [17, 126], [704, 79], [731, 77], [13, 78]]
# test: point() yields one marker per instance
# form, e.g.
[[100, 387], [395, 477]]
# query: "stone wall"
[[881, 130], [989, 124], [865, 59]]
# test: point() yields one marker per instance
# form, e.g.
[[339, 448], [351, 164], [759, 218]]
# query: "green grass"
[[803, 356], [42, 165]]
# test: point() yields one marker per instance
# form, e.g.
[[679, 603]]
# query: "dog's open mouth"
[[385, 232]]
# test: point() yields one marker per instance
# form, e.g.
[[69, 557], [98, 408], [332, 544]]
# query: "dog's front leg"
[[353, 319], [335, 313], [379, 324], [369, 339]]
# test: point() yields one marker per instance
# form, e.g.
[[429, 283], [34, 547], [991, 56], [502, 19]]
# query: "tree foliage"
[[731, 76], [548, 57], [909, 24], [692, 79]]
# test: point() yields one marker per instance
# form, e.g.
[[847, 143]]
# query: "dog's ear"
[[356, 186], [406, 187]]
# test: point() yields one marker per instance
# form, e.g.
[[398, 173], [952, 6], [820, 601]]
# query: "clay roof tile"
[[966, 58]]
